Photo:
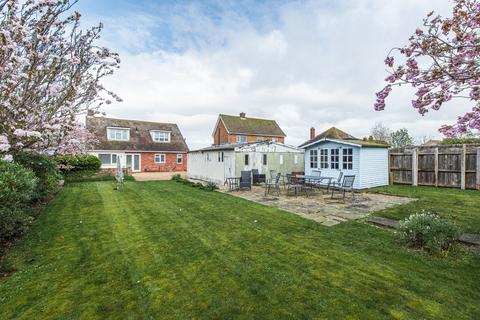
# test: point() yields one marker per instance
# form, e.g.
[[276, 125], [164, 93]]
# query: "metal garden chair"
[[246, 180], [346, 186], [273, 184]]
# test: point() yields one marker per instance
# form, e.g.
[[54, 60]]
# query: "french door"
[[133, 162]]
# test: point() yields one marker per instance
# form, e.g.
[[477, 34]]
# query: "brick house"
[[140, 145], [240, 129]]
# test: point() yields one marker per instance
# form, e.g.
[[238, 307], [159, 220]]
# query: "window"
[[334, 158], [324, 158], [295, 159], [159, 158], [108, 158], [347, 158], [220, 156], [281, 159], [246, 159], [313, 158], [118, 134], [179, 158], [274, 139], [160, 136], [241, 139], [264, 159], [261, 139]]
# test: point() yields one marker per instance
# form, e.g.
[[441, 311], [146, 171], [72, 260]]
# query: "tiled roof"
[[338, 135], [140, 137], [251, 126]]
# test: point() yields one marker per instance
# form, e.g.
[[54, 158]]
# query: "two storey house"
[[139, 145]]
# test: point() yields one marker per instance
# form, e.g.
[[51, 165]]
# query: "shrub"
[[78, 167], [176, 177], [45, 169], [83, 162], [428, 231], [210, 186], [18, 187]]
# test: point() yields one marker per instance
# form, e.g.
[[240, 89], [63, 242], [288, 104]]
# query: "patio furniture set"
[[293, 183]]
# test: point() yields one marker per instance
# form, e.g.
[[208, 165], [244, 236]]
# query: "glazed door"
[[133, 162]]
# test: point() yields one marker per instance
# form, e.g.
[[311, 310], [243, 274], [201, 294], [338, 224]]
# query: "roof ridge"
[[154, 122]]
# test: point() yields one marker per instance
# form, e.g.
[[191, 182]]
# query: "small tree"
[[379, 132], [50, 72], [400, 138], [442, 61]]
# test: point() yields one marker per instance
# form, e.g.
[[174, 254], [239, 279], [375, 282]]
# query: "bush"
[[45, 169], [428, 231], [18, 187], [210, 186], [176, 177], [78, 167], [83, 162]]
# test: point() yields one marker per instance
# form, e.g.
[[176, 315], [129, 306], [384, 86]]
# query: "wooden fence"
[[456, 166]]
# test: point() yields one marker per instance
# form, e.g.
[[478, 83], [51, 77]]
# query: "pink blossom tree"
[[50, 73], [442, 61]]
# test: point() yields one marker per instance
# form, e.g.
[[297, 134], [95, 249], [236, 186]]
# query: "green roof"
[[251, 126]]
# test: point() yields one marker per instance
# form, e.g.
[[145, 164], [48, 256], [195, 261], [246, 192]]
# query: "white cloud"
[[319, 65]]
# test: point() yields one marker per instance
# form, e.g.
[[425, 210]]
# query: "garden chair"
[[292, 184], [337, 183], [246, 180], [273, 184], [273, 174], [346, 186], [257, 177]]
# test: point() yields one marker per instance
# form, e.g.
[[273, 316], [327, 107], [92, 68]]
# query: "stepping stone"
[[384, 222], [470, 238]]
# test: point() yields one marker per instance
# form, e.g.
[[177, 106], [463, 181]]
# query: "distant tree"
[[379, 132], [400, 138], [442, 61], [50, 72]]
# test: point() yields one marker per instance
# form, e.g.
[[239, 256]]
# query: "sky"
[[303, 63]]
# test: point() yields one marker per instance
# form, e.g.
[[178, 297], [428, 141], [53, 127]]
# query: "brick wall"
[[221, 135], [170, 165], [233, 138]]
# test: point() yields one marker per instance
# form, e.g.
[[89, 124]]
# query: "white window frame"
[[274, 139], [313, 158], [160, 155], [179, 158], [113, 158], [264, 159], [347, 159], [335, 158], [281, 159], [246, 159], [115, 131], [241, 139], [155, 134], [323, 158], [208, 156], [221, 156], [295, 159]]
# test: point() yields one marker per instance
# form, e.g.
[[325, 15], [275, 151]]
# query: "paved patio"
[[148, 176], [320, 207]]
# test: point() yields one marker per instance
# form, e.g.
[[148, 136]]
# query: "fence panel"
[[456, 166]]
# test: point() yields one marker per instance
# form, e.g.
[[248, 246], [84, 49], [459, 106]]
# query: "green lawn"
[[460, 206], [165, 250]]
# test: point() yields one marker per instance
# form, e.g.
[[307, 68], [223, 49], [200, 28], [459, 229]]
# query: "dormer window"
[[160, 136], [118, 134]]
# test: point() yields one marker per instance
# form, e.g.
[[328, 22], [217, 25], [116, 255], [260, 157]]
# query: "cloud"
[[304, 64]]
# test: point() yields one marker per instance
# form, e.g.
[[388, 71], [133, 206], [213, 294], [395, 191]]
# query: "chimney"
[[242, 115], [312, 133]]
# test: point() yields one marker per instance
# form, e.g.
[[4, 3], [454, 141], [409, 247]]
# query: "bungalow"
[[334, 151], [219, 162], [139, 145]]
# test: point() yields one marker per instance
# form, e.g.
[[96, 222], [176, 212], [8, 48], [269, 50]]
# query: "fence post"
[[436, 167], [463, 173], [415, 167], [478, 168]]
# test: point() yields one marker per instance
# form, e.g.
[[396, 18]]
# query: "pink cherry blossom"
[[452, 47], [50, 73]]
